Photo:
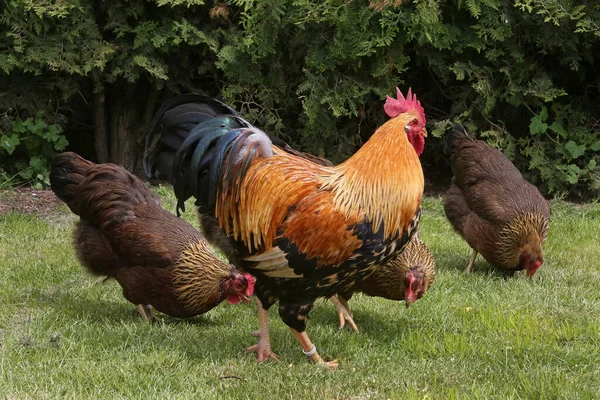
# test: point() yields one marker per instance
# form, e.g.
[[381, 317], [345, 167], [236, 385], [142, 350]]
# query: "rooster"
[[491, 205], [304, 230], [123, 233], [406, 277]]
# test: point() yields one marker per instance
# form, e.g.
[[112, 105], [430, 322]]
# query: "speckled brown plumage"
[[123, 233], [387, 282], [491, 205], [407, 277]]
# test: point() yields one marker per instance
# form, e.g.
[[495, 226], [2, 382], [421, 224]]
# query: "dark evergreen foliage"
[[522, 75]]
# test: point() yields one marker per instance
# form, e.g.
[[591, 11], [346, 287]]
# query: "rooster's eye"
[[408, 127]]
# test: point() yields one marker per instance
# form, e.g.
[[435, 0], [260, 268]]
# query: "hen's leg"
[[145, 311], [263, 347], [310, 350], [472, 261], [344, 313]]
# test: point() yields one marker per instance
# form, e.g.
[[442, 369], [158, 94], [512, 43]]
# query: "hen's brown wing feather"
[[479, 171]]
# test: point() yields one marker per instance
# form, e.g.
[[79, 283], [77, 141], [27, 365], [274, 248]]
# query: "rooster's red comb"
[[394, 107]]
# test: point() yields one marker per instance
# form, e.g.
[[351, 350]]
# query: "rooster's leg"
[[145, 311], [344, 313], [472, 261], [310, 350], [263, 347]]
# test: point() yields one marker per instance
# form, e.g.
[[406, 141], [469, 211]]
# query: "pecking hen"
[[491, 205], [304, 230], [406, 277], [123, 233]]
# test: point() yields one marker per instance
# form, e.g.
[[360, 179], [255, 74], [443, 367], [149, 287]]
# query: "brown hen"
[[123, 233], [406, 277], [491, 205]]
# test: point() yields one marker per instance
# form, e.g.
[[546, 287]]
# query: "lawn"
[[66, 334]]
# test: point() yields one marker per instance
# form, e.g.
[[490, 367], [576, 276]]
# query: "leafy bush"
[[27, 150], [521, 74], [564, 152]]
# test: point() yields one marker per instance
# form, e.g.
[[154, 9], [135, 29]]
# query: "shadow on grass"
[[70, 304], [457, 262]]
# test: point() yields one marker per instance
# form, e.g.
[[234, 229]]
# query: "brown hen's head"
[[239, 287], [530, 262], [521, 241], [416, 283], [415, 128]]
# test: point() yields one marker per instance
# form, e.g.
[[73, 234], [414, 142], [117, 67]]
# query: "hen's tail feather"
[[68, 171]]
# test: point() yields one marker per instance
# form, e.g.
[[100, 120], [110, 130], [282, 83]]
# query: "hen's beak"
[[246, 299], [424, 132]]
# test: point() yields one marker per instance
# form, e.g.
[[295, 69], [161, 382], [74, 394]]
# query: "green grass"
[[66, 334]]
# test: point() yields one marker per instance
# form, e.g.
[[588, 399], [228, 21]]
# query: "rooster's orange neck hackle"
[[384, 177]]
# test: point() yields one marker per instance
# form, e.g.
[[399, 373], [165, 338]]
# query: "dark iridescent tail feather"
[[172, 124], [198, 144]]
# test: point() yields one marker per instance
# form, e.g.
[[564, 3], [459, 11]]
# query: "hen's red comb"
[[251, 280], [394, 107]]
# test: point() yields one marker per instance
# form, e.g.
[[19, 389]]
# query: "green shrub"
[[523, 75], [27, 150]]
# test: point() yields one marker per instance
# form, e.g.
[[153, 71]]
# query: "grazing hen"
[[123, 233], [406, 277], [304, 230], [491, 205]]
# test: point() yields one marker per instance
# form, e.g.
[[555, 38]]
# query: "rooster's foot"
[[263, 347], [331, 365]]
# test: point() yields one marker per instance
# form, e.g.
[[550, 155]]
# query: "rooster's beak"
[[424, 132]]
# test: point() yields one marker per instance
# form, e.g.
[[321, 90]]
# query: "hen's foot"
[[145, 311], [344, 313], [471, 262]]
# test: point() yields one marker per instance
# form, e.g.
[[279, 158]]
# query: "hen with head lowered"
[[123, 233], [491, 205], [407, 277]]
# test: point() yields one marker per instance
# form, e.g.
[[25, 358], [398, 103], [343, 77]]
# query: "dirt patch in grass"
[[27, 200]]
